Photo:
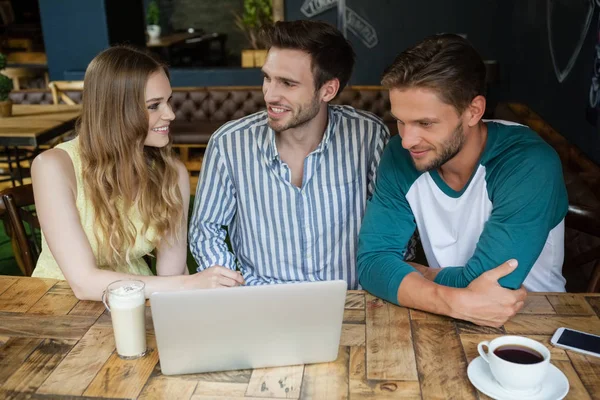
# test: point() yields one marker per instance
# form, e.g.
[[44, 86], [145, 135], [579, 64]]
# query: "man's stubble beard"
[[450, 149], [305, 114]]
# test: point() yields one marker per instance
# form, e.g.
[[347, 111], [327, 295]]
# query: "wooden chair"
[[26, 65], [15, 164], [16, 206], [58, 89], [586, 220], [23, 44], [19, 74], [27, 57], [17, 209]]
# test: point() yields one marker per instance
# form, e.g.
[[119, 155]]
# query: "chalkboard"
[[399, 24], [568, 23]]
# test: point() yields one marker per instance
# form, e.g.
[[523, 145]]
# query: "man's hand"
[[216, 277], [485, 302]]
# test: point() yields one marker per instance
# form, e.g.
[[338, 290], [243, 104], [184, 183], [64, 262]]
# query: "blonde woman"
[[116, 192]]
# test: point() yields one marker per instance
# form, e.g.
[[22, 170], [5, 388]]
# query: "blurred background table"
[[29, 127], [185, 49], [27, 69]]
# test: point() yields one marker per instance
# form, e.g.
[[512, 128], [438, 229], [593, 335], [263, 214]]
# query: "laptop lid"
[[245, 327]]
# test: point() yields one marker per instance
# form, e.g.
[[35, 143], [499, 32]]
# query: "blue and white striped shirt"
[[280, 232]]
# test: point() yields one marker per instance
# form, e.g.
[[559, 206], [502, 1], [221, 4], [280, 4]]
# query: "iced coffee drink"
[[126, 303]]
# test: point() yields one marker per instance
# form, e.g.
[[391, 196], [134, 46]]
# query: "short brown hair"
[[446, 63], [332, 55]]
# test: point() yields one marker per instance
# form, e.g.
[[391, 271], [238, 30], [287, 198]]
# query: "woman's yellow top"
[[47, 266]]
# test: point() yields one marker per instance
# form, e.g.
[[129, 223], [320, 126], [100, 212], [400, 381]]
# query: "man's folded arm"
[[528, 202]]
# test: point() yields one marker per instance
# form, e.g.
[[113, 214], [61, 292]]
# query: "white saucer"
[[555, 386]]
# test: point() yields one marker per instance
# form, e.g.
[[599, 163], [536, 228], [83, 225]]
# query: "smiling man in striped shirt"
[[290, 183]]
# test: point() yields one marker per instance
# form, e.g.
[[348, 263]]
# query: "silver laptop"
[[244, 327]]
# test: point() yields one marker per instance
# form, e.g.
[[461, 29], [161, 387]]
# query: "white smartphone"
[[581, 342]]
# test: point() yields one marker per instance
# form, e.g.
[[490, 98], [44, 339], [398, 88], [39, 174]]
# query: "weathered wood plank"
[[389, 345], [530, 324], [106, 319], [465, 327], [10, 395], [59, 300], [418, 314], [6, 282], [82, 364], [24, 293], [219, 390], [54, 304], [537, 304], [577, 390], [470, 342], [238, 376], [51, 326], [88, 309], [360, 388], [122, 379], [61, 287], [440, 360], [327, 380], [281, 382], [570, 304], [36, 368], [355, 301], [353, 335], [223, 396], [168, 387], [595, 303], [354, 316], [588, 369], [13, 353]]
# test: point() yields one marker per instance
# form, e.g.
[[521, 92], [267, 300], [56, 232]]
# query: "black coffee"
[[518, 354]]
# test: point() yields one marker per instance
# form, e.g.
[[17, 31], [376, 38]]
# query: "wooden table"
[[26, 58], [197, 43], [164, 44], [35, 124], [26, 65], [170, 40], [32, 125], [52, 345]]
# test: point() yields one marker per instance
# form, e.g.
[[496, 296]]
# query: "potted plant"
[[256, 15], [152, 18], [6, 85]]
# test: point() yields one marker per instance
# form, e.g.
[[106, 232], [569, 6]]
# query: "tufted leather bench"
[[201, 111]]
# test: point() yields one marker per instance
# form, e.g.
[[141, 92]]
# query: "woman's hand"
[[215, 277]]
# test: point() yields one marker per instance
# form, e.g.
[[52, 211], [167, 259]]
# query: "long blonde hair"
[[119, 172]]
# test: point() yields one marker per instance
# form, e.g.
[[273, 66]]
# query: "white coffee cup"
[[513, 376], [127, 305]]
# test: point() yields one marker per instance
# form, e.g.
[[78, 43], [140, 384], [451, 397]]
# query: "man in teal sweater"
[[487, 198]]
